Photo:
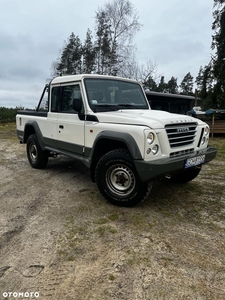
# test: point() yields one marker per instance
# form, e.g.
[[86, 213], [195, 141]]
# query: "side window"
[[69, 93], [55, 99]]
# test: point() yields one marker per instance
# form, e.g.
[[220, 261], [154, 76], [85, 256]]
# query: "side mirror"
[[77, 104]]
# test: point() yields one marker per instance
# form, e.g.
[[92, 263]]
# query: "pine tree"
[[162, 86], [70, 61], [218, 62], [88, 54], [150, 84], [187, 84], [172, 86], [102, 44], [117, 22], [77, 56], [204, 82]]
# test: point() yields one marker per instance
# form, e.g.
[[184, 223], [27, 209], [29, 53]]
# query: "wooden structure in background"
[[215, 118], [173, 103], [182, 104], [216, 126]]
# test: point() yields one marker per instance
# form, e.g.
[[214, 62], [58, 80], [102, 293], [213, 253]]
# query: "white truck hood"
[[154, 119]]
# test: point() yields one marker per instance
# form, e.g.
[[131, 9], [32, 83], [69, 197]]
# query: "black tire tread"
[[122, 155], [42, 157]]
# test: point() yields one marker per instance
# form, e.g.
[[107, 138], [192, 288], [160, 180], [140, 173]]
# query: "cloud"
[[175, 34], [24, 93], [175, 49]]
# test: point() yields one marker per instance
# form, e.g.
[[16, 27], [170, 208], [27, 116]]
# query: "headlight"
[[155, 149], [203, 140], [207, 130], [150, 138]]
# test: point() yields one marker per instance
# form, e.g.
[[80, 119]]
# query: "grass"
[[75, 238], [199, 204], [101, 230], [219, 143], [111, 277], [8, 131]]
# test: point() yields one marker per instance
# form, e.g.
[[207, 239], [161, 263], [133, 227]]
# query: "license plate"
[[194, 161]]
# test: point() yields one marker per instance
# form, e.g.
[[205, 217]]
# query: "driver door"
[[70, 126]]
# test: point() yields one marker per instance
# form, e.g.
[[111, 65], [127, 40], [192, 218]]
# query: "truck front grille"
[[181, 134]]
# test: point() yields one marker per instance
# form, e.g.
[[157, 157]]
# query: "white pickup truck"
[[106, 122]]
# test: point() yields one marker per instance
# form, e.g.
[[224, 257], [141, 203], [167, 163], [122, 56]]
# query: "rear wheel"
[[38, 158], [118, 181], [186, 176]]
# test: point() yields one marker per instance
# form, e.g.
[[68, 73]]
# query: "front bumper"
[[149, 170]]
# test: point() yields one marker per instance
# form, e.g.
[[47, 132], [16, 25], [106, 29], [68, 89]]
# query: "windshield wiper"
[[125, 105], [105, 107], [135, 106]]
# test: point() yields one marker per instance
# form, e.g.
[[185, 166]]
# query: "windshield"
[[110, 94]]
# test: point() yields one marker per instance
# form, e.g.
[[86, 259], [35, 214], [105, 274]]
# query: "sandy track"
[[61, 239]]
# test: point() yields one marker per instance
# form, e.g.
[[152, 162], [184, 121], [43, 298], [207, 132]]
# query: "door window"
[[69, 93]]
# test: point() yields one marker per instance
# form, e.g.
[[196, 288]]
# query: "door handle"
[[61, 126]]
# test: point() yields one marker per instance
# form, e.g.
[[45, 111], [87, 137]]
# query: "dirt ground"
[[60, 239]]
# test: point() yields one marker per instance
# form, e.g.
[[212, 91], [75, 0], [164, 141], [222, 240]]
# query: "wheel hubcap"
[[33, 152], [120, 180]]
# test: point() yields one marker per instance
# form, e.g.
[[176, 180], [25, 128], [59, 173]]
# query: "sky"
[[175, 35]]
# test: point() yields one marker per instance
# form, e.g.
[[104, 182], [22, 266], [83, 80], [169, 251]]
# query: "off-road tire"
[[118, 181], [186, 176], [37, 158]]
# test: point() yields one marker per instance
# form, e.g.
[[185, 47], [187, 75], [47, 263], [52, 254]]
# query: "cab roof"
[[72, 78]]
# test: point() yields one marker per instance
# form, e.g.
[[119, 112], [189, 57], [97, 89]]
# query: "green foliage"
[[111, 52], [88, 54], [70, 62], [204, 82], [219, 143], [116, 24], [187, 84], [214, 73], [150, 84], [162, 86], [103, 44], [172, 86], [8, 114]]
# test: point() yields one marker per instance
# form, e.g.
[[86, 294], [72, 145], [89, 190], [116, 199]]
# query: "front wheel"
[[186, 176], [38, 158], [118, 181]]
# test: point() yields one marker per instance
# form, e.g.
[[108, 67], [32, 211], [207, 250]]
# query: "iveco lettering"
[[183, 129]]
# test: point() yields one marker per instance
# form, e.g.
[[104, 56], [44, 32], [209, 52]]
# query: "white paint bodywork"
[[138, 123]]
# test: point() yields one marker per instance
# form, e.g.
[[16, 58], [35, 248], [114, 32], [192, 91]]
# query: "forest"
[[8, 115], [109, 50]]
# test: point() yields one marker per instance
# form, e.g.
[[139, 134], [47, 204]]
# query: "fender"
[[36, 130], [124, 137]]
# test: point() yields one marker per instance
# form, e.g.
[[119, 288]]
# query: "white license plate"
[[194, 161]]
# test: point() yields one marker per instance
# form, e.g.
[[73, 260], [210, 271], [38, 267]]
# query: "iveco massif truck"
[[106, 122]]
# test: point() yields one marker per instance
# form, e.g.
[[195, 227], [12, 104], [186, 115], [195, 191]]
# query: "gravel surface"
[[60, 239]]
